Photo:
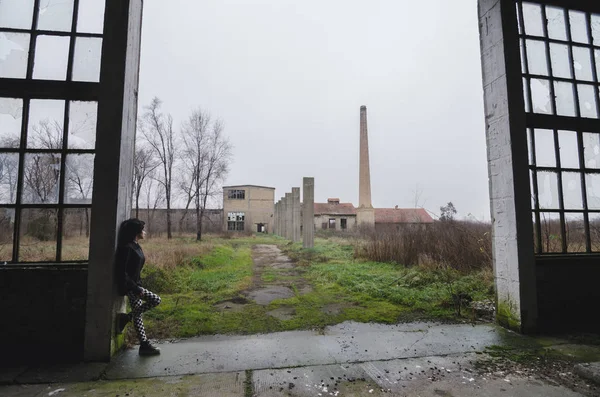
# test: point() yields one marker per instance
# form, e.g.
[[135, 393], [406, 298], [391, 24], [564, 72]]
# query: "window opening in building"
[[343, 223], [332, 223], [235, 221], [560, 60], [236, 194]]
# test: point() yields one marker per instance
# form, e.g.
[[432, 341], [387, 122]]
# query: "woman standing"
[[129, 263]]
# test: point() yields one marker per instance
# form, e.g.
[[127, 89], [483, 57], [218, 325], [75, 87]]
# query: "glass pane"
[[545, 156], [11, 114], [557, 28], [579, 33], [565, 99], [582, 61], [37, 240], [575, 228], [548, 190], [597, 56], [51, 58], [572, 190], [7, 223], [591, 150], [530, 146], [41, 178], [526, 95], [532, 188], [46, 120], [16, 14], [90, 18], [569, 153], [561, 66], [592, 184], [535, 234], [86, 64], [9, 172], [540, 96], [519, 18], [55, 15], [523, 55], [76, 234], [550, 232], [537, 58], [82, 125], [532, 15], [594, 220], [79, 178], [14, 50], [596, 29], [587, 101]]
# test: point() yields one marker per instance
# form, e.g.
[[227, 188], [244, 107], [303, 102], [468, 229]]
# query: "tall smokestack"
[[364, 177], [365, 215]]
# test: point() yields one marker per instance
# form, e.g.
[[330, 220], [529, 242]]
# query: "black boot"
[[122, 320], [147, 349]]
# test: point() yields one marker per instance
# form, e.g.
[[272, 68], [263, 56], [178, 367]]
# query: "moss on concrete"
[[507, 316]]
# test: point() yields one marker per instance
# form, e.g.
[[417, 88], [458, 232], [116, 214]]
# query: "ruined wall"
[[43, 314], [324, 219], [257, 205]]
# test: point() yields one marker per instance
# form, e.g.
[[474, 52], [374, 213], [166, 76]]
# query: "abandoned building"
[[248, 208], [540, 63]]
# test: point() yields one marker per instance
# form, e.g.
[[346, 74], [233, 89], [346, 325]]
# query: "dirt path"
[[275, 276]]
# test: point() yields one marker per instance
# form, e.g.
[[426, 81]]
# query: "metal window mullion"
[[561, 79], [534, 182], [33, 40], [558, 41], [50, 32], [595, 76], [561, 203]]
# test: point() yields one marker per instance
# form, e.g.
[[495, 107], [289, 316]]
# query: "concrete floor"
[[350, 359]]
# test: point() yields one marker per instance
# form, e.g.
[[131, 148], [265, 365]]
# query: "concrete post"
[[113, 170], [282, 217], [296, 215], [308, 212], [288, 216], [513, 251], [275, 231]]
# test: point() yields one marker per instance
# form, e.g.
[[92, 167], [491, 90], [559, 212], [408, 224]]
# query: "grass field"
[[193, 278]]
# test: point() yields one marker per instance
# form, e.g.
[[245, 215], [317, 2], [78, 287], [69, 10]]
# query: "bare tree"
[[9, 164], [144, 165], [157, 129]]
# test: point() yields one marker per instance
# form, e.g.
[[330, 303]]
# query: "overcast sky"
[[288, 79]]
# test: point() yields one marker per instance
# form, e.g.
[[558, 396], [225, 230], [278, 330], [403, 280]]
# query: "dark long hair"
[[129, 230]]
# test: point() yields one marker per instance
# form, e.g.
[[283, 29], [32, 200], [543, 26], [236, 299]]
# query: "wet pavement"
[[350, 359]]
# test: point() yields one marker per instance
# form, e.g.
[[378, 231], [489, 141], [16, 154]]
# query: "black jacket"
[[129, 263]]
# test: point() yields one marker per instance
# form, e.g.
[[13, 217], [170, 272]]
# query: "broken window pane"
[[569, 153], [565, 99], [545, 155], [597, 56], [587, 101], [579, 32], [79, 178], [41, 176], [559, 55], [17, 14], [592, 182], [86, 63], [582, 62], [9, 172], [46, 120], [572, 190], [56, 15], [11, 115], [594, 221], [591, 150], [537, 58], [548, 190], [532, 15], [14, 51], [532, 188], [82, 125], [551, 233], [38, 234], [526, 95], [530, 146], [51, 58], [76, 234], [557, 28], [575, 229], [540, 96], [90, 18], [596, 29], [7, 224], [523, 55]]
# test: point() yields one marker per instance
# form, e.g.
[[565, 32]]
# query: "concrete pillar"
[[113, 170], [274, 230], [282, 217], [308, 212], [288, 216], [513, 251], [296, 237]]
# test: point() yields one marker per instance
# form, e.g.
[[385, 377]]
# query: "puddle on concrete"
[[266, 295], [283, 313]]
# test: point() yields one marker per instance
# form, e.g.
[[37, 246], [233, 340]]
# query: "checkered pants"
[[139, 304]]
